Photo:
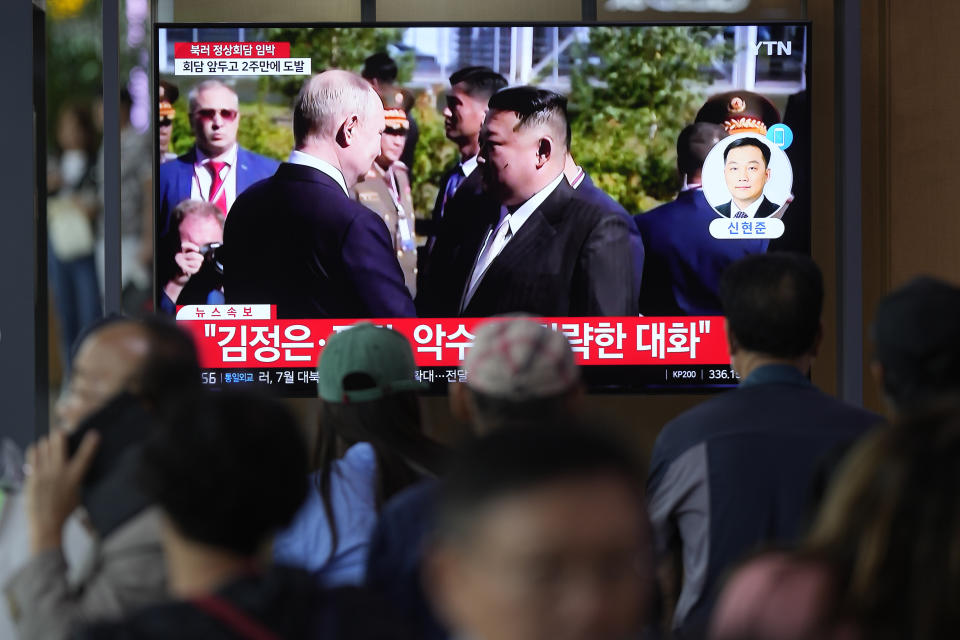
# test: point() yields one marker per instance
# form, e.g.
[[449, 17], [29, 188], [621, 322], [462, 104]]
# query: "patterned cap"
[[740, 112], [519, 359], [165, 109], [396, 119]]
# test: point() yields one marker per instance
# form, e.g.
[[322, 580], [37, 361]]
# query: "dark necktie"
[[456, 178], [740, 214]]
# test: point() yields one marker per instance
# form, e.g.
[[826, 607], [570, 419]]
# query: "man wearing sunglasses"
[[216, 169]]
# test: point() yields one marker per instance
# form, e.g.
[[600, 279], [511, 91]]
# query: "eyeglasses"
[[228, 115], [165, 122]]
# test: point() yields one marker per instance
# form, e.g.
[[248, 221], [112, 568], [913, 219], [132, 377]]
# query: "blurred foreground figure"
[[541, 535], [879, 563], [154, 363], [227, 473]]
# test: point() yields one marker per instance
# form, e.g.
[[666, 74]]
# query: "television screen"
[[429, 178]]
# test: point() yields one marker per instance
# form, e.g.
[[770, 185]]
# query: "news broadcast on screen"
[[429, 178]]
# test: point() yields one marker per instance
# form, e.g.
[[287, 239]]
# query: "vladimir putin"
[[297, 239], [746, 170]]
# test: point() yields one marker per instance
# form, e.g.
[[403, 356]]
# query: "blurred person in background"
[[165, 114], [681, 275], [72, 209], [738, 470], [191, 249], [518, 372], [385, 189], [226, 473], [136, 214], [381, 71], [371, 445], [916, 343], [156, 363], [216, 168], [541, 534], [880, 560]]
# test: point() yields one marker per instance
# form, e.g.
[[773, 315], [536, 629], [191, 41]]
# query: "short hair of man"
[[694, 143], [228, 471], [326, 99], [917, 344], [380, 66], [525, 458], [203, 86], [479, 82], [773, 303], [200, 208], [749, 142], [171, 370], [535, 107]]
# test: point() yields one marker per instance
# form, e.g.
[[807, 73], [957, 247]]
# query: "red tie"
[[218, 195]]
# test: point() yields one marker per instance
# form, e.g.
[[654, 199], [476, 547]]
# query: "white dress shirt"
[[203, 179], [468, 166], [307, 160], [498, 238]]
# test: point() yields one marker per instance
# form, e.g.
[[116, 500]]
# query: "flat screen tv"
[[620, 169]]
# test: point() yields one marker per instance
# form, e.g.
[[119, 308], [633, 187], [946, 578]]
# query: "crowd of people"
[[517, 225], [769, 512]]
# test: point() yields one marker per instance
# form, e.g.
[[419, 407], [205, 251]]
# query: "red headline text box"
[[231, 50], [236, 342]]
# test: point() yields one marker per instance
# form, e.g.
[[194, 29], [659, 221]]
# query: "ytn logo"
[[783, 48]]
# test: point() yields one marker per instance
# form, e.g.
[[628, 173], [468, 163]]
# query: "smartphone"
[[109, 491]]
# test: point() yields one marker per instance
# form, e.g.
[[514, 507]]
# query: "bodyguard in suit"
[[467, 99], [297, 239], [216, 169], [746, 170], [545, 251], [681, 273]]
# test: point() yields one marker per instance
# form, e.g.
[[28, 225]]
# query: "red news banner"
[[237, 336], [231, 50]]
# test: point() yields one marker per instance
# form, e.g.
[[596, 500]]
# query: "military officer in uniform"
[[385, 189]]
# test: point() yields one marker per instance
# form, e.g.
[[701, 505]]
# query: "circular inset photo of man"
[[744, 176]]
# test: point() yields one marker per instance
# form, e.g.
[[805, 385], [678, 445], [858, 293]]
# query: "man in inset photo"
[[746, 170]]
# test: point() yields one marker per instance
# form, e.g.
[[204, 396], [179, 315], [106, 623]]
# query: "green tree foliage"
[[632, 93], [334, 48], [433, 155]]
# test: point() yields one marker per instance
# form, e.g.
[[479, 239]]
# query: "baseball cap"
[[916, 326], [365, 363], [519, 359]]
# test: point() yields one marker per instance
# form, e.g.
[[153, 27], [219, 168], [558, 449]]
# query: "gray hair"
[[327, 99], [203, 86]]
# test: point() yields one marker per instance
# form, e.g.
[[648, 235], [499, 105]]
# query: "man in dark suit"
[[736, 471], [297, 239], [681, 274], [216, 169], [589, 192], [540, 249], [746, 170]]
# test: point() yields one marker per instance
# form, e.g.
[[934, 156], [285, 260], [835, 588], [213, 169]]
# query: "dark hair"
[[917, 343], [380, 66], [479, 82], [170, 91], [773, 302], [83, 115], [535, 106], [523, 458], [228, 471], [392, 426], [749, 142], [495, 412], [171, 370], [694, 143], [890, 530]]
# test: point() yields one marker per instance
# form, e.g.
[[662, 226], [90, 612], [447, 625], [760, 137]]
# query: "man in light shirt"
[[297, 240], [216, 169], [746, 170], [545, 251]]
